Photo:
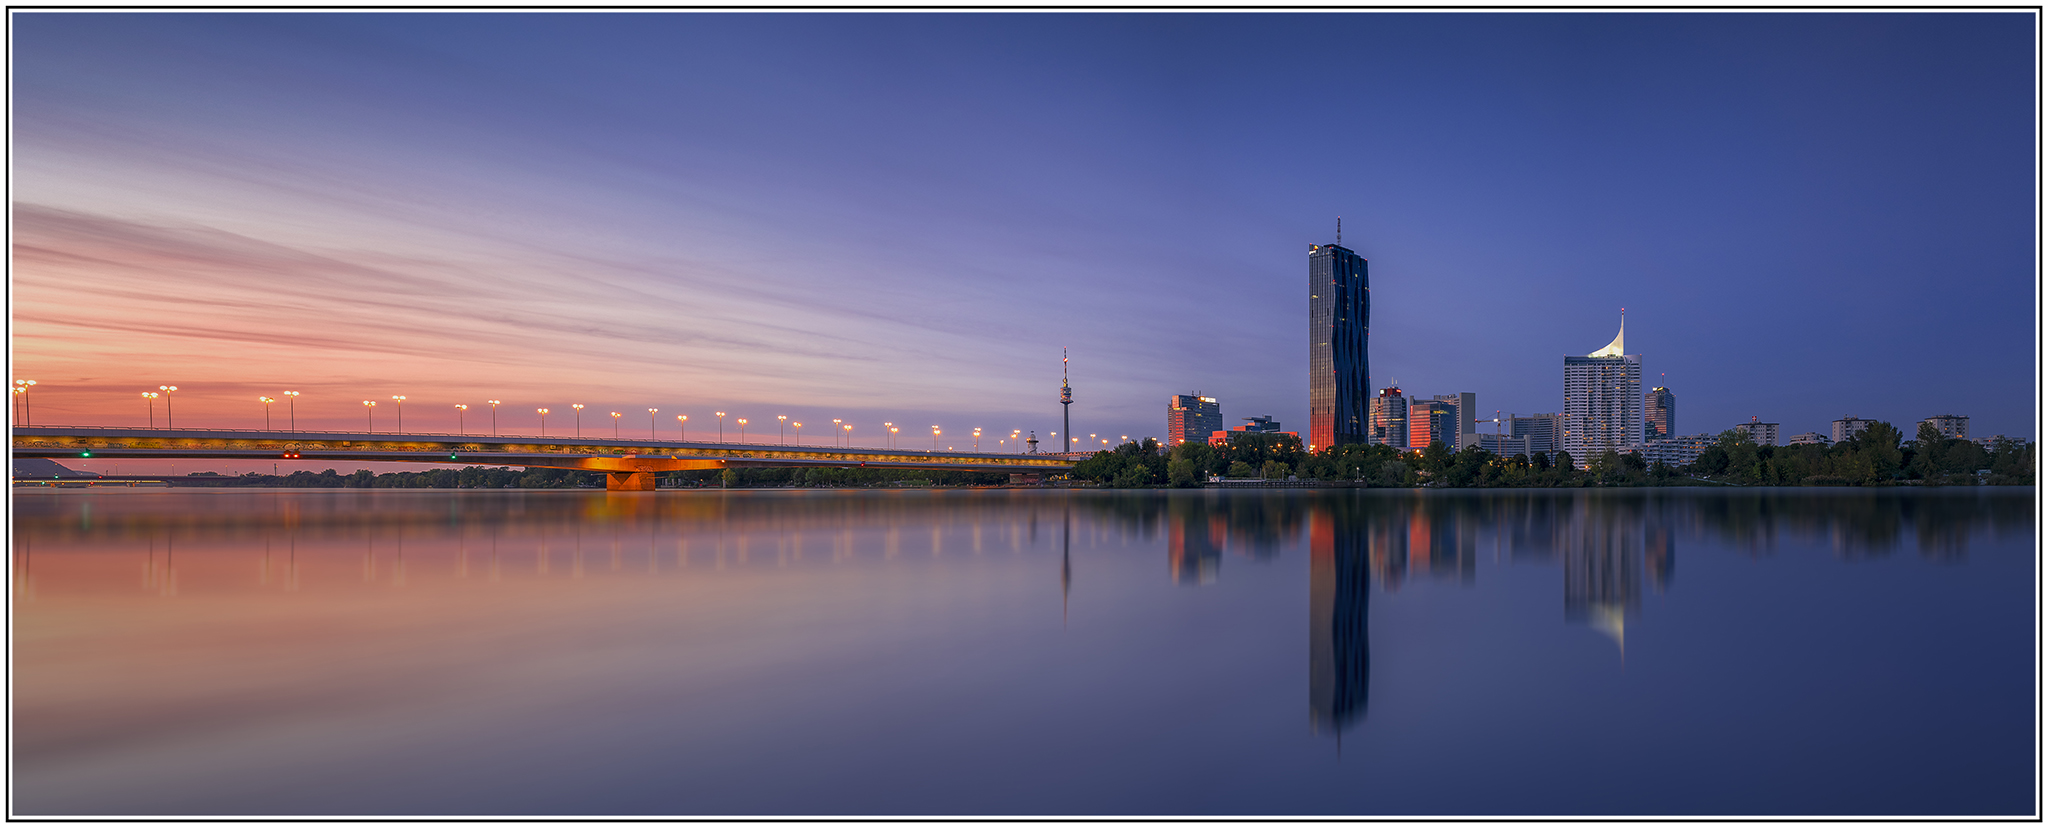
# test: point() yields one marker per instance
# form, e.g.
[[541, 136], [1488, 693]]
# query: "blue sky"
[[904, 217]]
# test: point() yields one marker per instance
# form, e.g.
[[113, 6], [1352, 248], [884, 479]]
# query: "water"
[[1666, 652]]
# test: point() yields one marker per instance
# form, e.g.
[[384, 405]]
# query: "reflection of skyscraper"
[[1194, 551], [1340, 658], [1603, 545]]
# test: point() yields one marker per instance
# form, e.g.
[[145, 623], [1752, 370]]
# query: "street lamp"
[[615, 425], [650, 422], [369, 409], [743, 428], [1013, 438], [291, 404], [977, 439], [400, 402], [935, 438], [683, 425], [721, 425], [544, 421], [579, 418], [150, 397], [779, 420], [892, 436], [459, 427], [494, 416], [167, 389], [799, 433], [849, 434], [21, 387], [835, 424], [266, 410]]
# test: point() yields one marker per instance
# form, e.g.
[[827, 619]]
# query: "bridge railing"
[[396, 435]]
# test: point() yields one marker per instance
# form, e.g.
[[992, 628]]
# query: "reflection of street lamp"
[[494, 416], [167, 389], [543, 421], [291, 406], [579, 418], [150, 397], [369, 409], [743, 428], [460, 428], [266, 410], [683, 425], [400, 402]]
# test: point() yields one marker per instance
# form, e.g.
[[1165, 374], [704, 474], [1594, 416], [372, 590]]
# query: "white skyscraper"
[[1603, 401]]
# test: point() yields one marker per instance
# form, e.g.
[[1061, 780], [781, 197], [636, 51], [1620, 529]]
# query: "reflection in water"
[[276, 609]]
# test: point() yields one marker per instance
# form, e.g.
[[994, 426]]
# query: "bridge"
[[629, 465]]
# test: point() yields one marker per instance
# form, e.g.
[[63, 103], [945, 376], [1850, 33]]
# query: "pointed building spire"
[[1614, 348]]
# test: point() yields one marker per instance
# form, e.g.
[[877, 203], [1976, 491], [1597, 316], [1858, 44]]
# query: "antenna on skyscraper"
[[1340, 229]]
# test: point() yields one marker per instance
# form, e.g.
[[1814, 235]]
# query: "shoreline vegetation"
[[1876, 457]]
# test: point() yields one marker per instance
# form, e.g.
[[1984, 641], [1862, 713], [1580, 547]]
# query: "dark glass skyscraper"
[[1339, 381]]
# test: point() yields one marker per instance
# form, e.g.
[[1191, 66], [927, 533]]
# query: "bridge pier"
[[629, 481]]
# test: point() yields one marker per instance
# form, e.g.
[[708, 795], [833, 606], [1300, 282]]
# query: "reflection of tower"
[[1603, 549], [1193, 554], [1066, 405], [1066, 558], [1339, 661]]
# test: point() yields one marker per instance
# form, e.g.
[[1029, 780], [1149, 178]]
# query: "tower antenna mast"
[[1066, 409], [1340, 229]]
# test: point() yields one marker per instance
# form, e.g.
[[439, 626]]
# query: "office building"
[[1953, 426], [1389, 419], [1603, 401], [1660, 414], [1811, 438], [1431, 420], [1252, 425], [1848, 427], [1763, 434], [1340, 382], [1461, 409], [1191, 418], [1541, 430], [1501, 445], [1675, 451]]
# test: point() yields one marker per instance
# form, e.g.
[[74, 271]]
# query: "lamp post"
[[799, 433], [399, 401], [721, 426], [461, 428], [935, 438], [266, 410], [780, 419], [977, 440], [683, 425], [369, 410], [1013, 439], [167, 389], [579, 418], [291, 404], [849, 434], [150, 397], [650, 422], [743, 428], [892, 436], [543, 421], [615, 425], [494, 416], [21, 387], [835, 427]]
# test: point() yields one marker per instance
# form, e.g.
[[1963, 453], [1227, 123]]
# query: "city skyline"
[[359, 206]]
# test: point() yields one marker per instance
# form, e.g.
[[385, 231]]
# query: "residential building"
[[1675, 451], [1603, 401], [1811, 438], [1340, 381], [1461, 408], [1191, 418], [1763, 434], [1848, 427], [1431, 420], [1389, 419], [1950, 425], [1660, 414]]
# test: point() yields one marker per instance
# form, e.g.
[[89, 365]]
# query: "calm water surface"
[[1755, 652]]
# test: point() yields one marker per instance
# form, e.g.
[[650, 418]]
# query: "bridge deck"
[[629, 464]]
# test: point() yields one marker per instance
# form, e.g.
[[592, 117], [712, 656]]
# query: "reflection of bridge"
[[629, 465]]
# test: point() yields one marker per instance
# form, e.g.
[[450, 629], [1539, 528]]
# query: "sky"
[[905, 217]]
